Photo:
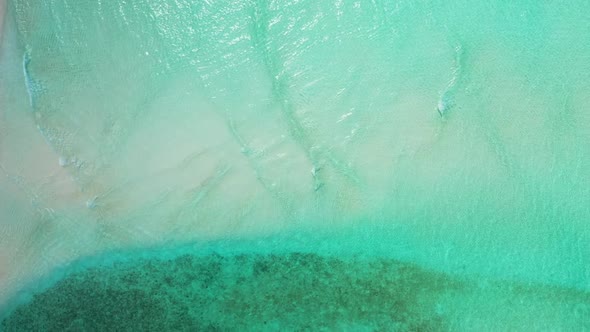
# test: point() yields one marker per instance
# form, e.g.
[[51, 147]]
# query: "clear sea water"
[[321, 165]]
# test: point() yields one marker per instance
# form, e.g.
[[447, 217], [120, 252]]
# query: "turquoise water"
[[439, 137], [248, 286]]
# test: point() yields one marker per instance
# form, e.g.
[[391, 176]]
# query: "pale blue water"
[[449, 139]]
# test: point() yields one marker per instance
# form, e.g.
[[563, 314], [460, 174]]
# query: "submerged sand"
[[496, 189], [2, 13]]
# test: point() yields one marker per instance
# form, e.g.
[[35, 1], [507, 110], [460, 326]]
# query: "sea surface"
[[295, 165]]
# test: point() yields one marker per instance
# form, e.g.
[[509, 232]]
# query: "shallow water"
[[248, 286], [447, 139]]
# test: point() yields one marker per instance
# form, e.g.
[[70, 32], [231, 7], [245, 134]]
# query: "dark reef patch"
[[296, 291], [186, 289]]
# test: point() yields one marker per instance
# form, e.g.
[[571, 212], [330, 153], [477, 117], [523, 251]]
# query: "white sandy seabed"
[[183, 176]]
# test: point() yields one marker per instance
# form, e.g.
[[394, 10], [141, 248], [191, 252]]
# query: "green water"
[[441, 138], [246, 285]]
